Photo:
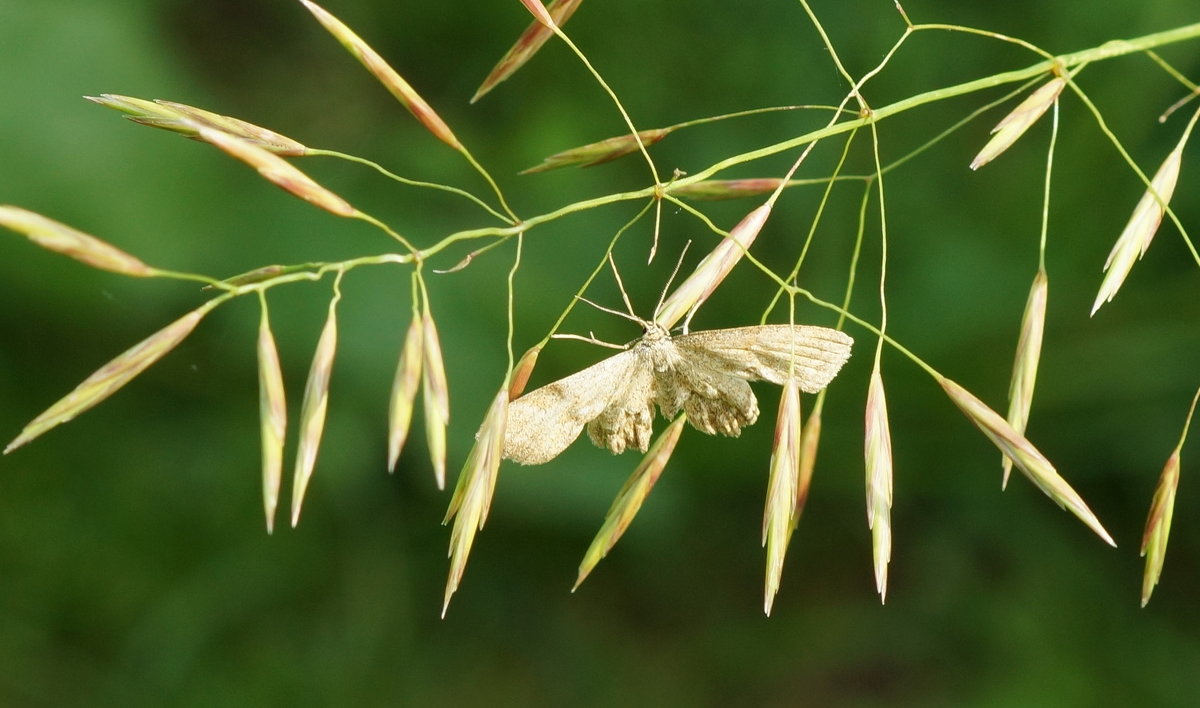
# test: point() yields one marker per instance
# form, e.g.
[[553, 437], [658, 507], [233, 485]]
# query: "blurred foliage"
[[135, 567]]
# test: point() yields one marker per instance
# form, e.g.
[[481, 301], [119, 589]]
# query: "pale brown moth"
[[703, 373]]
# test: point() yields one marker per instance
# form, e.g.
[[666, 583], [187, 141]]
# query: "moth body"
[[705, 374]]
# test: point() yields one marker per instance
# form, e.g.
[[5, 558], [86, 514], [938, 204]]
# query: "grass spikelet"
[[716, 189], [1162, 509], [404, 390], [60, 238], [711, 270], [386, 75], [528, 44], [599, 152], [780, 508], [1025, 365], [878, 451], [278, 171], [266, 139], [523, 370], [138, 109], [436, 397], [272, 415], [810, 440], [539, 12], [186, 120], [314, 406], [1027, 458], [1158, 525], [472, 496], [1014, 125], [1131, 245], [109, 378], [630, 497]]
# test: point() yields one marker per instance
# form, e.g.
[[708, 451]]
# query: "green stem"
[[411, 182]]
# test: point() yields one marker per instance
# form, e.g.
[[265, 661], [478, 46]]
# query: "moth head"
[[654, 332]]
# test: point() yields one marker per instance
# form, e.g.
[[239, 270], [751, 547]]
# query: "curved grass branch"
[[412, 182]]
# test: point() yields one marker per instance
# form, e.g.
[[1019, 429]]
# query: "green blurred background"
[[134, 568]]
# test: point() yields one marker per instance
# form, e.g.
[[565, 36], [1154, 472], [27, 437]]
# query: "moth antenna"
[[611, 311], [621, 287], [591, 339], [666, 288]]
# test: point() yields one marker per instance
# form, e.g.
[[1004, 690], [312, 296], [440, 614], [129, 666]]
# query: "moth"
[[704, 373]]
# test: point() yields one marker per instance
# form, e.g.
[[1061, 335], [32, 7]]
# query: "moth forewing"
[[543, 422]]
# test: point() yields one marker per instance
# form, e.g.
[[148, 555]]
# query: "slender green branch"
[[1103, 124], [411, 182], [612, 94], [1108, 50]]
